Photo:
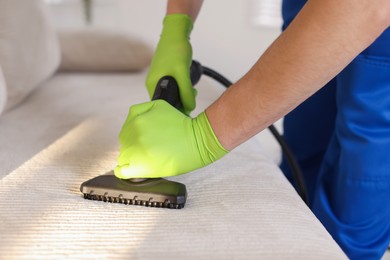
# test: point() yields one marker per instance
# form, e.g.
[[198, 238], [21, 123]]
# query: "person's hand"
[[173, 57], [157, 140]]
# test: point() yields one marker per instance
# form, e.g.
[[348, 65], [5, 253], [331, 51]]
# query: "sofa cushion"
[[99, 50], [3, 92], [29, 50], [241, 207]]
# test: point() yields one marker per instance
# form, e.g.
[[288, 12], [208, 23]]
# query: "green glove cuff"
[[210, 149], [177, 26]]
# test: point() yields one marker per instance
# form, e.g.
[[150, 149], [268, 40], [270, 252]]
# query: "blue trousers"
[[341, 139]]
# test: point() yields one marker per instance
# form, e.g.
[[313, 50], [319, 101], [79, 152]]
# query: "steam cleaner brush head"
[[157, 192]]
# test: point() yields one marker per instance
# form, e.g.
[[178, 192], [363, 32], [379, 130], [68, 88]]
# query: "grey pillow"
[[98, 50], [29, 50]]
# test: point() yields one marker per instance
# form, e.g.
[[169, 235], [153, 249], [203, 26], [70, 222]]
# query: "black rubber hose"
[[295, 169]]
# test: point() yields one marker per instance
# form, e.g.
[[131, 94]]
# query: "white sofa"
[[65, 132]]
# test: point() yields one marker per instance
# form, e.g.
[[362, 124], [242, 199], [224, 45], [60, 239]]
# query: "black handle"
[[168, 89]]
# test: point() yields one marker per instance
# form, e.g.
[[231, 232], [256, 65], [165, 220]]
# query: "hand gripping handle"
[[168, 90]]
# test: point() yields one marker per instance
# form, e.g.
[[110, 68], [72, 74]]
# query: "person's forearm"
[[189, 7], [325, 36]]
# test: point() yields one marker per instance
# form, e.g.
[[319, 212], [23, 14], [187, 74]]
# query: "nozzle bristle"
[[134, 201]]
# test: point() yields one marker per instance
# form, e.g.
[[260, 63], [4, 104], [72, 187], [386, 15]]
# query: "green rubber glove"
[[157, 140], [173, 57]]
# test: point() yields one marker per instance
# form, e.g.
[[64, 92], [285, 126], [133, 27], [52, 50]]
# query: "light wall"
[[224, 36]]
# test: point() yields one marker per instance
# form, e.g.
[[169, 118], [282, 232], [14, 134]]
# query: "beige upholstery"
[[29, 51], [66, 132], [99, 50]]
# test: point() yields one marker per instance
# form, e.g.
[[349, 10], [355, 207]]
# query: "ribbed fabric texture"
[[240, 207]]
